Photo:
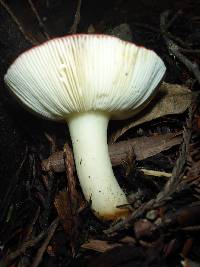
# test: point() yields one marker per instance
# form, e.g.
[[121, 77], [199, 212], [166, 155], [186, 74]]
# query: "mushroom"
[[86, 80]]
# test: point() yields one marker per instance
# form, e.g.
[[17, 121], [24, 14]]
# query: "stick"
[[50, 233], [174, 49], [41, 24], [16, 21], [143, 147], [21, 250], [77, 18]]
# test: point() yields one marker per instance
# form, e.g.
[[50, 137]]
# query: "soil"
[[24, 143]]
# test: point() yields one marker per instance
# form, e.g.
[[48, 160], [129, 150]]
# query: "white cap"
[[85, 72]]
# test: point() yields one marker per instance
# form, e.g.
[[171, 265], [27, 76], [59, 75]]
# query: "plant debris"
[[170, 99], [45, 220], [143, 147]]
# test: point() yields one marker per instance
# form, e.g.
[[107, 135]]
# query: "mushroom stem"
[[88, 132]]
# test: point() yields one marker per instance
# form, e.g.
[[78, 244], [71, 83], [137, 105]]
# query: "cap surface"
[[84, 72]]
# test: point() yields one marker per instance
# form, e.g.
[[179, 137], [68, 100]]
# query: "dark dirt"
[[22, 135]]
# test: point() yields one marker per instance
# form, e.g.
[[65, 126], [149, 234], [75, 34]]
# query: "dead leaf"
[[99, 245], [103, 245], [142, 147], [170, 99]]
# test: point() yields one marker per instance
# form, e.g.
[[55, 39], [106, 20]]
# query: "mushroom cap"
[[85, 72]]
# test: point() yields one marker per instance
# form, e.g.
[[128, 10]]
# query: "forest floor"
[[44, 219]]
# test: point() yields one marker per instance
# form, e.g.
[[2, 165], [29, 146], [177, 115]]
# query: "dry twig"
[[41, 24], [49, 198], [12, 186], [174, 49], [167, 33], [192, 51], [8, 259], [42, 249], [30, 227], [16, 21], [77, 18], [170, 22], [143, 147]]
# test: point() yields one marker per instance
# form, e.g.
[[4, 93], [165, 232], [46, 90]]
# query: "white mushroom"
[[86, 80]]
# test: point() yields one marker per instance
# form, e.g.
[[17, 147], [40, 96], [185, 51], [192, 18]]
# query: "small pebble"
[[152, 215]]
